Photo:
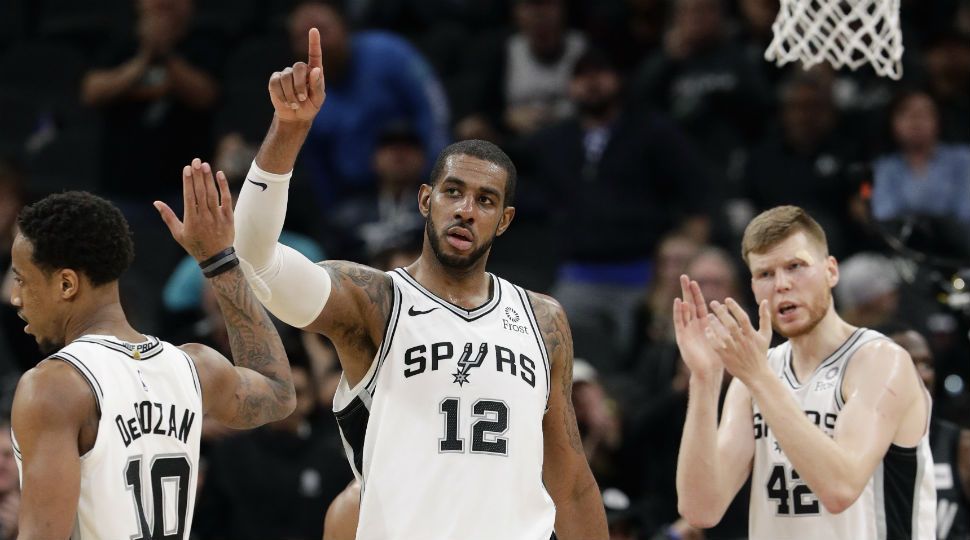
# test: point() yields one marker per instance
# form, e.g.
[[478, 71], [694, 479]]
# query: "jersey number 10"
[[164, 470]]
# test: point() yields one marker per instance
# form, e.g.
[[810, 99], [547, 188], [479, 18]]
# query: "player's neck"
[[809, 350], [468, 288], [101, 314]]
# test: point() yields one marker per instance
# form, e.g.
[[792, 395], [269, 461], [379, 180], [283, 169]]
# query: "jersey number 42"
[[794, 497]]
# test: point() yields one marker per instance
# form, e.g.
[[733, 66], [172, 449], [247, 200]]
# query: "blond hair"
[[773, 226]]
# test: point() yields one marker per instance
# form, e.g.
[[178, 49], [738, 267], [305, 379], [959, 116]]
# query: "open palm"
[[691, 326]]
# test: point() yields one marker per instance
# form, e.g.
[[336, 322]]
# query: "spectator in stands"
[[372, 78], [809, 154], [366, 223], [599, 422], [617, 181], [271, 483], [156, 90], [868, 290], [924, 176], [12, 184], [9, 485], [520, 82], [706, 82], [653, 326], [947, 61]]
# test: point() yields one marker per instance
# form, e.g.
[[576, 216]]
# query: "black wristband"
[[217, 257], [222, 267]]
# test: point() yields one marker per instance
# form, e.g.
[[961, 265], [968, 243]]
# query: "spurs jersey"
[[138, 480], [445, 429], [899, 501]]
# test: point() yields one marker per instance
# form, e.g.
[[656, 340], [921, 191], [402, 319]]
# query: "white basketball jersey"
[[445, 430], [898, 503], [138, 480]]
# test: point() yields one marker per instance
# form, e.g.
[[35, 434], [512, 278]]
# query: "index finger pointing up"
[[315, 56]]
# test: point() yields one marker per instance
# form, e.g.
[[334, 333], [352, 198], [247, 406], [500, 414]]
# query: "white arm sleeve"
[[292, 287]]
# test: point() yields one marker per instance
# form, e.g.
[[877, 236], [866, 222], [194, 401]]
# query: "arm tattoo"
[[559, 345], [374, 304], [256, 345]]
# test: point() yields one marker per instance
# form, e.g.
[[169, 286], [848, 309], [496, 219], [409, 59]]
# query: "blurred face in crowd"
[[808, 114], [948, 66], [672, 257], [917, 347], [915, 123], [595, 90], [333, 33], [175, 12], [796, 277], [465, 210], [399, 164], [700, 21], [542, 22], [715, 275], [9, 478], [38, 296]]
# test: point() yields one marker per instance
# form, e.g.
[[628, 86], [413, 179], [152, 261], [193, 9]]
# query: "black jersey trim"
[[194, 371], [389, 330], [469, 315], [352, 421], [829, 361], [901, 470], [85, 373], [534, 323]]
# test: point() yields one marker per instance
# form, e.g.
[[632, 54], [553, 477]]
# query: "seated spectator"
[[372, 78], [273, 482], [617, 180], [706, 82], [155, 90], [947, 61], [366, 222], [807, 163], [520, 80], [924, 176], [868, 291]]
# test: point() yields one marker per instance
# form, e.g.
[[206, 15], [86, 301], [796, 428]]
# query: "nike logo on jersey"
[[261, 185], [413, 312]]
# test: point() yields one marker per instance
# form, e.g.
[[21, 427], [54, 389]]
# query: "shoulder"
[[53, 390], [346, 272], [552, 324], [882, 362]]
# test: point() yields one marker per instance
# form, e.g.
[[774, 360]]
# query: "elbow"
[[699, 516], [838, 498]]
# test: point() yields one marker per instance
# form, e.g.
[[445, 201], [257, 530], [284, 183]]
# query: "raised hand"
[[298, 92], [208, 227], [691, 327], [741, 348]]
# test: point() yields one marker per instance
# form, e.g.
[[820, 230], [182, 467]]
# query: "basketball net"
[[842, 32]]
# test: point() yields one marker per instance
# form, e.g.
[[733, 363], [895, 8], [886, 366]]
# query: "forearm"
[[827, 469], [700, 491], [254, 341], [101, 86], [580, 515], [193, 86], [281, 146]]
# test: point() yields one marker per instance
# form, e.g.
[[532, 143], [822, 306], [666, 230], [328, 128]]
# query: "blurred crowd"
[[646, 133]]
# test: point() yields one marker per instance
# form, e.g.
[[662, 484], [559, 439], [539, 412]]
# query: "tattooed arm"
[[566, 474], [258, 388]]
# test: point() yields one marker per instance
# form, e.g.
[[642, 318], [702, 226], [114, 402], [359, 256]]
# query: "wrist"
[[288, 125], [221, 262]]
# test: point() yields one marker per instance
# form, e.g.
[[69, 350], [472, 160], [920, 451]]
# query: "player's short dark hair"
[[483, 150], [80, 231]]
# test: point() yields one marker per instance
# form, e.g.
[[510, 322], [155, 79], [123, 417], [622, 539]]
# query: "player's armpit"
[[355, 315], [237, 396], [566, 474], [51, 407]]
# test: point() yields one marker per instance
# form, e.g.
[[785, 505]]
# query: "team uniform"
[[138, 480], [952, 512], [445, 429], [899, 501]]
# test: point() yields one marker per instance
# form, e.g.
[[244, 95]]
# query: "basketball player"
[[343, 513], [106, 429], [831, 425], [455, 403], [950, 445]]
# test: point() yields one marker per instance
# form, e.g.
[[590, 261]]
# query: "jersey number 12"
[[492, 421]]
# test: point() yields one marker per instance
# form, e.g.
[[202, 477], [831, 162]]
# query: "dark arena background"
[[646, 134]]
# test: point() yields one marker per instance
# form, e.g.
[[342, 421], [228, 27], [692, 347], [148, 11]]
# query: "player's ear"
[[67, 283], [424, 199], [507, 214], [832, 270]]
